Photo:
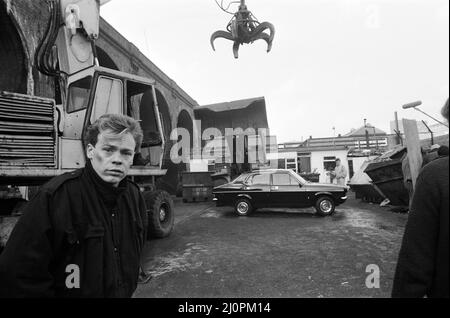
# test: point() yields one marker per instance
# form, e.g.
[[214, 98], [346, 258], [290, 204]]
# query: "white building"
[[318, 155]]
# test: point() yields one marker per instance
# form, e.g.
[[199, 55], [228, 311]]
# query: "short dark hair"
[[444, 110], [116, 123], [337, 159]]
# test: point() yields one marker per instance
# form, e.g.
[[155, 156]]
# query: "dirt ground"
[[274, 252]]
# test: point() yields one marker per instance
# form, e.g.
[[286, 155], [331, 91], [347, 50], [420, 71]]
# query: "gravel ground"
[[274, 253]]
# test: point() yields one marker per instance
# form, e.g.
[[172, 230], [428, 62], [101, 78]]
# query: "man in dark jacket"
[[83, 233], [423, 263]]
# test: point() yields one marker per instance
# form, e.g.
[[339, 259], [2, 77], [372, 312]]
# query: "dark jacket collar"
[[107, 191]]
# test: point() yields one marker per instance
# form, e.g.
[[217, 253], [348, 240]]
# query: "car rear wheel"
[[243, 207], [325, 206]]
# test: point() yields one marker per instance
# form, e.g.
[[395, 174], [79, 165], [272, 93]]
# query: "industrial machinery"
[[244, 28], [40, 139]]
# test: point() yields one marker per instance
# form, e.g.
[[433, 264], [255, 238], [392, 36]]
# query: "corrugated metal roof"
[[234, 105], [311, 149], [362, 131]]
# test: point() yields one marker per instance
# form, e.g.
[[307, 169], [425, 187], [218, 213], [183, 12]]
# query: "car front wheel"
[[325, 206], [243, 207]]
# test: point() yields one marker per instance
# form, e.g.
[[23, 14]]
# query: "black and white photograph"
[[225, 155]]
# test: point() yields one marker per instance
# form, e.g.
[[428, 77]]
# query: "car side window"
[[294, 181], [283, 179], [240, 179], [260, 179]]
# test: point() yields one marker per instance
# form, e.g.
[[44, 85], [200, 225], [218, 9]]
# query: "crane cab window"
[[79, 92], [108, 97], [141, 106]]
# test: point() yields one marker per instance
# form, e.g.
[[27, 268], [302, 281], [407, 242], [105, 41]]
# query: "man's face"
[[338, 163], [112, 156]]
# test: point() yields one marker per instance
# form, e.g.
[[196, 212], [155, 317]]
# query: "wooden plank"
[[413, 147]]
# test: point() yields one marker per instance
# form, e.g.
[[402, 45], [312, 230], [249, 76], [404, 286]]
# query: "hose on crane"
[[44, 59]]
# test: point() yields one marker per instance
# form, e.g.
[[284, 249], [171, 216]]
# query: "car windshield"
[[300, 179], [240, 179]]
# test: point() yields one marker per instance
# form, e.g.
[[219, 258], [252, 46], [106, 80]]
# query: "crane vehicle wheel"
[[160, 211]]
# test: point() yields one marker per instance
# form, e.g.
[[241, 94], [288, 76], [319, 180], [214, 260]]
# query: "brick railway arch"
[[105, 60], [13, 55], [185, 121]]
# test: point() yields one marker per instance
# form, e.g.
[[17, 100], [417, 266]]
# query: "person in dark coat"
[[423, 262], [82, 234], [443, 151]]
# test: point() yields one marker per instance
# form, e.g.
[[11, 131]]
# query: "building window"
[[291, 164], [329, 163], [281, 164], [350, 168], [304, 162]]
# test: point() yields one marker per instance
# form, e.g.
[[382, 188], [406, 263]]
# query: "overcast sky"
[[333, 62]]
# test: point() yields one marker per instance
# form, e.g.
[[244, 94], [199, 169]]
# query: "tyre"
[[325, 206], [160, 211], [243, 207]]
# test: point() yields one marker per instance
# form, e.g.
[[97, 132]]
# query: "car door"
[[258, 187], [285, 190]]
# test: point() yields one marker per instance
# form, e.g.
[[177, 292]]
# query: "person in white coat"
[[340, 173]]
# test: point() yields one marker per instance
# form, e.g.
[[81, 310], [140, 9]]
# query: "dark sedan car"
[[278, 188]]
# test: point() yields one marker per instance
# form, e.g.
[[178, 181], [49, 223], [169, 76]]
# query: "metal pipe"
[[413, 104], [431, 132], [440, 122], [159, 124], [418, 103], [397, 129]]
